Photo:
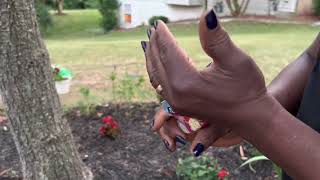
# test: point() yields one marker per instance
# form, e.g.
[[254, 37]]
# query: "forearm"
[[287, 88], [285, 140]]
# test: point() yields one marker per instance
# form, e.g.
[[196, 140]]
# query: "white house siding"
[[255, 7], [143, 10]]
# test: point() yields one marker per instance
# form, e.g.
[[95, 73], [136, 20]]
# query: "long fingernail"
[[181, 140], [167, 145], [149, 33], [211, 19], [197, 151], [144, 45], [152, 124]]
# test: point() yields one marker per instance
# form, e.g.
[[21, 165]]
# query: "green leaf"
[[254, 159]]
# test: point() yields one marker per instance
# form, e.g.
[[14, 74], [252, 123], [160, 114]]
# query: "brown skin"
[[287, 88], [232, 95]]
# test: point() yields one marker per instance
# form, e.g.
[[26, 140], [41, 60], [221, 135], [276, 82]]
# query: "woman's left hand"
[[171, 134]]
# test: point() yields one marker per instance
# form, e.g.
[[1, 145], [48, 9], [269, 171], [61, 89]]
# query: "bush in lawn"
[[43, 17], [153, 19], [316, 5], [108, 10], [80, 4]]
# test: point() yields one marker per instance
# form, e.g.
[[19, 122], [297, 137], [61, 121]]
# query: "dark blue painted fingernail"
[[152, 123], [197, 151], [149, 33], [144, 45], [181, 140], [211, 19], [167, 145]]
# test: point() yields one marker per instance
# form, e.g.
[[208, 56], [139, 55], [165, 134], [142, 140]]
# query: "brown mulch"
[[136, 154]]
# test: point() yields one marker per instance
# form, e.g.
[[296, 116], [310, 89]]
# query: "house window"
[[127, 13]]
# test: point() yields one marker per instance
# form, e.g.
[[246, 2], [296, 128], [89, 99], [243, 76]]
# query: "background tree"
[[42, 137], [236, 8], [109, 12], [60, 4]]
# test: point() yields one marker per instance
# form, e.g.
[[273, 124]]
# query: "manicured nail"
[[181, 140], [155, 24], [211, 19], [152, 124], [149, 33], [167, 145], [144, 45], [198, 150]]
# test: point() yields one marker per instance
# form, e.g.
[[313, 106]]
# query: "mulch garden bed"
[[136, 154]]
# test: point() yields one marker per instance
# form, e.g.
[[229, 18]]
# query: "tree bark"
[[42, 137], [60, 7], [237, 9]]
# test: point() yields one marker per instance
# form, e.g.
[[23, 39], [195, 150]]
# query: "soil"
[[136, 154]]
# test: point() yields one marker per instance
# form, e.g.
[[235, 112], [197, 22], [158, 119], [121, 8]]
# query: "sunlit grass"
[[77, 42]]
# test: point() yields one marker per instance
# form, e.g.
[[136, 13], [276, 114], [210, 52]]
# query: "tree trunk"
[[237, 9], [42, 137], [60, 7]]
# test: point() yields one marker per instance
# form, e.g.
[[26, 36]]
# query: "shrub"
[[316, 5], [108, 10], [80, 4], [205, 168], [43, 17], [153, 19]]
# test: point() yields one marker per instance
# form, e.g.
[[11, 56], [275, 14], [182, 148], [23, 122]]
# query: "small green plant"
[[113, 78], [204, 168], [43, 17], [86, 107], [258, 158], [153, 19], [129, 87], [109, 11]]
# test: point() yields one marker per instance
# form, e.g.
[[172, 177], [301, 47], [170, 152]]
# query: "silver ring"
[[159, 89]]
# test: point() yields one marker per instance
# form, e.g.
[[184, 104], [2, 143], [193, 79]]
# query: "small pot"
[[63, 87]]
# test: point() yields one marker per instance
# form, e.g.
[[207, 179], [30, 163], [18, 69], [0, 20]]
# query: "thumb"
[[216, 42], [159, 119], [204, 139]]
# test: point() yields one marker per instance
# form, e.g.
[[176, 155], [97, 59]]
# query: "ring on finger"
[[159, 89]]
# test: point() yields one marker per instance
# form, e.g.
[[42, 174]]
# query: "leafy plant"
[[85, 105], [80, 4], [110, 128], [113, 78], [255, 159], [153, 19], [128, 87], [204, 168], [108, 10]]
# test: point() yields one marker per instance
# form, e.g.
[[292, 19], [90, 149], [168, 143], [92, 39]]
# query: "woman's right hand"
[[170, 133]]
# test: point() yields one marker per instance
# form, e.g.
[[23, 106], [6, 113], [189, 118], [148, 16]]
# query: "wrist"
[[263, 117]]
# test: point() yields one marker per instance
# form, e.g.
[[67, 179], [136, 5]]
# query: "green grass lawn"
[[77, 42]]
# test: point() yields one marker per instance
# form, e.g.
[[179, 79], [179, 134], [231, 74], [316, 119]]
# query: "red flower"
[[107, 120], [114, 125], [222, 174], [56, 70], [102, 130]]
